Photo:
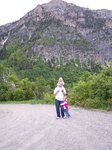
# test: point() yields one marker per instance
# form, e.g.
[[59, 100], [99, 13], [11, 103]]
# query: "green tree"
[[27, 87]]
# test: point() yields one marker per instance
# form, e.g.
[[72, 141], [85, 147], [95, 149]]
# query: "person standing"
[[59, 93], [65, 107]]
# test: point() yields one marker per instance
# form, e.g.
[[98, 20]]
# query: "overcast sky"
[[12, 10]]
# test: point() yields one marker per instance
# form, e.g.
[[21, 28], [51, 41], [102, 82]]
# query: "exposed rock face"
[[63, 31]]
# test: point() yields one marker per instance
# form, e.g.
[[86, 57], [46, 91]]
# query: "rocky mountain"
[[62, 31]]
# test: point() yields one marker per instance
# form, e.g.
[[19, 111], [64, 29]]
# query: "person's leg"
[[57, 108], [62, 110], [67, 113]]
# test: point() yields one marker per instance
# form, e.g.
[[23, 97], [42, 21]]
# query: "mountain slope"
[[61, 31]]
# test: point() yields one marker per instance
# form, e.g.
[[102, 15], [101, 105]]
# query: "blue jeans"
[[66, 112], [59, 109]]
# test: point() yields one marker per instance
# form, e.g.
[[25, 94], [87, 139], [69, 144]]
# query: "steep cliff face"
[[63, 31]]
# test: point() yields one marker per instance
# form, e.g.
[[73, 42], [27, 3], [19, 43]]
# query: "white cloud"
[[11, 10], [93, 4]]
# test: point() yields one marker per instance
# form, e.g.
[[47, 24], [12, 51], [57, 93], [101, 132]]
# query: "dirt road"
[[34, 127]]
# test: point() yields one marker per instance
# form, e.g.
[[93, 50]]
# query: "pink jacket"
[[65, 104]]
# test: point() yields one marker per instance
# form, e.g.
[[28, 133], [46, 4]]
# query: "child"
[[65, 107]]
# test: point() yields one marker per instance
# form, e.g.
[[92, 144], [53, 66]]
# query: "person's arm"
[[64, 91], [56, 91], [63, 103]]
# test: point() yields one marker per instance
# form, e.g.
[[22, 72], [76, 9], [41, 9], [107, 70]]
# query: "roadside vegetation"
[[85, 88]]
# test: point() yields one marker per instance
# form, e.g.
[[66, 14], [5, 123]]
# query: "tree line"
[[84, 88]]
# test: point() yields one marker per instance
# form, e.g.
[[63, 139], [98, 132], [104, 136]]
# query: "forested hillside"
[[90, 88]]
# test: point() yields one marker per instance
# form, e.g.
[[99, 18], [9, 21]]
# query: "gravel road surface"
[[35, 127]]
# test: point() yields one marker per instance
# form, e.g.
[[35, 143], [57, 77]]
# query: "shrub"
[[19, 94], [48, 98]]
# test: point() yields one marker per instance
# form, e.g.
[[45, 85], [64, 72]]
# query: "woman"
[[59, 93]]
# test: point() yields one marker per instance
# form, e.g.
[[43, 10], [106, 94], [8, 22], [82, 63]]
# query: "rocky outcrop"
[[63, 31]]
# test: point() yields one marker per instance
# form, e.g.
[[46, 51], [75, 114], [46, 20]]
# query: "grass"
[[95, 104], [87, 104], [27, 102]]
